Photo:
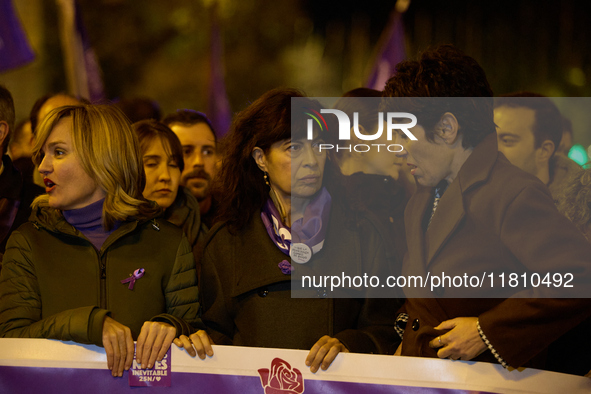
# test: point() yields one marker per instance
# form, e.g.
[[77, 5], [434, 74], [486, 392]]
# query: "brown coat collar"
[[450, 210]]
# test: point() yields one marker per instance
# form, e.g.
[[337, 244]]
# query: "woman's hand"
[[198, 343], [324, 351], [462, 341], [153, 343], [118, 345]]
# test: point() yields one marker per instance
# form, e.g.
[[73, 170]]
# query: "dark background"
[[160, 48]]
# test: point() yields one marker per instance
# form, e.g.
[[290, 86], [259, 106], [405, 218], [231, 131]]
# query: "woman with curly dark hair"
[[273, 201]]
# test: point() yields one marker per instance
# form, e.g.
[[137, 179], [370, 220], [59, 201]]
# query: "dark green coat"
[[184, 213], [51, 286], [247, 299]]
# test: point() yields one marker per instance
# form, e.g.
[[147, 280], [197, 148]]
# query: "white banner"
[[48, 366]]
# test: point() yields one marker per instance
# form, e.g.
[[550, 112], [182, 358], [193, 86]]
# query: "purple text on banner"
[[158, 375]]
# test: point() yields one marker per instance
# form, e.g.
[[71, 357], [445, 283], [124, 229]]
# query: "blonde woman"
[[93, 265]]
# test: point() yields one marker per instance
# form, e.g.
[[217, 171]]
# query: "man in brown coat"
[[475, 215]]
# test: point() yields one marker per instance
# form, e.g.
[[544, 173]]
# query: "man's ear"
[[448, 128], [259, 157], [3, 131], [545, 151]]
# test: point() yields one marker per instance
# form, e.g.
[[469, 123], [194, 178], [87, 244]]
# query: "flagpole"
[[73, 51], [218, 106], [390, 49]]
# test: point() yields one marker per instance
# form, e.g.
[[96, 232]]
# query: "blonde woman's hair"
[[109, 153]]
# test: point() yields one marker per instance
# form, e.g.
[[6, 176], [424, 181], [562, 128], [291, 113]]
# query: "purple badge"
[[285, 267], [159, 375], [138, 273]]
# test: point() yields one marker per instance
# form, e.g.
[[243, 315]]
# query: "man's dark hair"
[[567, 125], [189, 117], [363, 101], [444, 72], [6, 114], [139, 108], [548, 123], [34, 115], [17, 133]]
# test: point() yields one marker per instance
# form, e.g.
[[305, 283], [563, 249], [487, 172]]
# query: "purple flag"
[[218, 107], [96, 89], [81, 66], [391, 51], [14, 47]]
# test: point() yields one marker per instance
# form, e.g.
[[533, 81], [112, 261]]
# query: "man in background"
[[199, 144], [529, 133], [20, 149], [475, 213], [16, 195]]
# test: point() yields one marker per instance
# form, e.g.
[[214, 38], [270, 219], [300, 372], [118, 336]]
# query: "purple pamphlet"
[[157, 376]]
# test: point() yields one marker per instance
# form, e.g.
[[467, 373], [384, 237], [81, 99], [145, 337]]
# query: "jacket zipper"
[[102, 264], [103, 289]]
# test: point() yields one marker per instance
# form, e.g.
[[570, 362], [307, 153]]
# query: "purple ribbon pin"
[[285, 267], [138, 273]]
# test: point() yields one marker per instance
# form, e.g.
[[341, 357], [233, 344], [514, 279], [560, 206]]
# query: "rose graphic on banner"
[[282, 378]]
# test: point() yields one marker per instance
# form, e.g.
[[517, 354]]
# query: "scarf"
[[306, 235]]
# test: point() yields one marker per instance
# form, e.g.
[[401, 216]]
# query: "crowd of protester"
[[118, 224]]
